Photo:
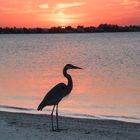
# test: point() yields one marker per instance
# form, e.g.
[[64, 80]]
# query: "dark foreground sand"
[[18, 126]]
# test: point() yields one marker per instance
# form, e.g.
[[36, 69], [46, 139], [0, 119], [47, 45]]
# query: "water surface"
[[108, 86]]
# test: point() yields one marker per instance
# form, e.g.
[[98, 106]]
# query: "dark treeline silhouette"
[[69, 29]]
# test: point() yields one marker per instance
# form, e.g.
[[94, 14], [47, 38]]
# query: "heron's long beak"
[[75, 67]]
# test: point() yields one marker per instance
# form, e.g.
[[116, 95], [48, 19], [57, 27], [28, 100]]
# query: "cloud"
[[130, 2], [60, 14], [5, 9], [27, 6], [69, 5], [44, 6], [62, 18]]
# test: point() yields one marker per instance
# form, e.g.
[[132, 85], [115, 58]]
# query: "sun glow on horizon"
[[59, 18]]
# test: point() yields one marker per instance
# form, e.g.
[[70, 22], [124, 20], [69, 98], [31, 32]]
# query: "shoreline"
[[62, 113], [38, 126]]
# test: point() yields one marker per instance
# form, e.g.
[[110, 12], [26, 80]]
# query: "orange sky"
[[47, 13]]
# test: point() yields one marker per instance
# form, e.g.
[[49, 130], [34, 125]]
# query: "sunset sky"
[[48, 13]]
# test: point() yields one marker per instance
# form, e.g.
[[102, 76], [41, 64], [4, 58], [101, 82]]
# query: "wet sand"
[[21, 126]]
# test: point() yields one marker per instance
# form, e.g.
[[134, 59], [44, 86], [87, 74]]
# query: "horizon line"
[[71, 26]]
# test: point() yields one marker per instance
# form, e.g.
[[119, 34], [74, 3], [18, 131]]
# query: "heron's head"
[[70, 66]]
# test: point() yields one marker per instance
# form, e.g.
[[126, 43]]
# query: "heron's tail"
[[40, 107]]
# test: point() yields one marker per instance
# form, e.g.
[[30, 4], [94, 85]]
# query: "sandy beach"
[[19, 126]]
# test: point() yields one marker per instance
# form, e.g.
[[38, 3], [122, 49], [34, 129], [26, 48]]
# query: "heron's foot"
[[56, 130], [59, 130], [53, 129]]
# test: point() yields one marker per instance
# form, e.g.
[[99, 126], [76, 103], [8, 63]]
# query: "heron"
[[57, 93]]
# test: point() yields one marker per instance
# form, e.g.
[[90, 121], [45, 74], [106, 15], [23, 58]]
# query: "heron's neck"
[[70, 82]]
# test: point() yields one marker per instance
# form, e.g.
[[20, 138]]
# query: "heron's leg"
[[52, 117], [57, 117]]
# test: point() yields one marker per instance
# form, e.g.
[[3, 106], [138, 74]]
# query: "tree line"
[[70, 29]]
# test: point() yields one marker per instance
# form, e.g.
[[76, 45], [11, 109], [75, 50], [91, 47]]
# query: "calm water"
[[107, 87]]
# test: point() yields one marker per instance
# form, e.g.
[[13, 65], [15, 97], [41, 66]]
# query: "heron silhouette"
[[57, 93]]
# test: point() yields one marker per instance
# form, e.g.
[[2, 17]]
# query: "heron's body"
[[57, 93], [54, 96]]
